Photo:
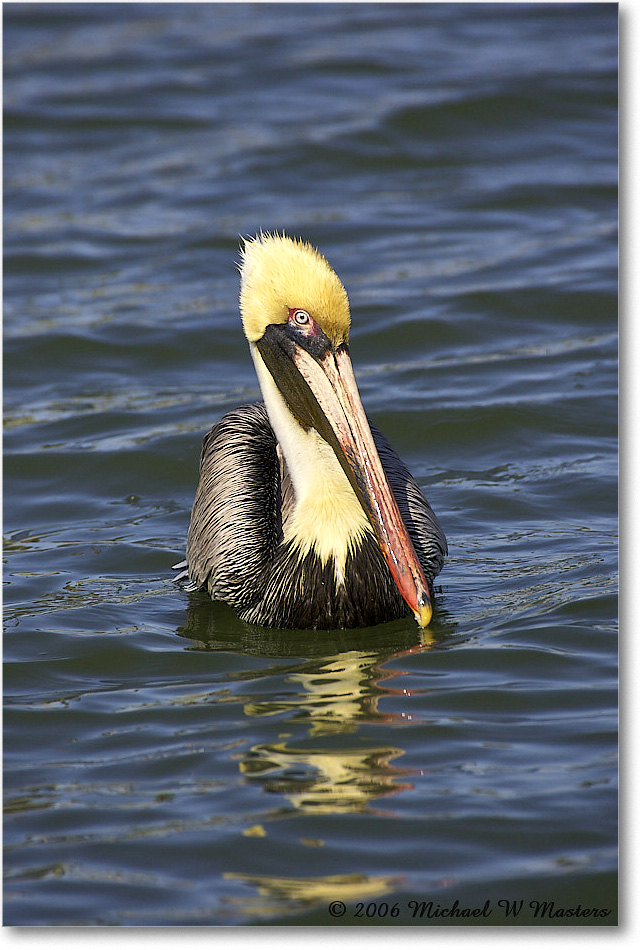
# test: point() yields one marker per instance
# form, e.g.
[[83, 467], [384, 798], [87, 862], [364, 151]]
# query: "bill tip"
[[423, 615]]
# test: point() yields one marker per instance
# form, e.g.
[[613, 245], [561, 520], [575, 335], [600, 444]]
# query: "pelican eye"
[[300, 317]]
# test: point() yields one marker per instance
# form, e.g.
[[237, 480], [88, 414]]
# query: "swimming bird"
[[304, 515]]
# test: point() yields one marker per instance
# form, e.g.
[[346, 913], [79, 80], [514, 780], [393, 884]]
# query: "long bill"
[[329, 400]]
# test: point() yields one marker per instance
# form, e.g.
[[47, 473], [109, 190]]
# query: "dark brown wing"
[[236, 521], [242, 501]]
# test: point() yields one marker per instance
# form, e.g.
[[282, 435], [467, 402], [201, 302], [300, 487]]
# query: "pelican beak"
[[318, 384]]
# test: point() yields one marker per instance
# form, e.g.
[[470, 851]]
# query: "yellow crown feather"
[[278, 274]]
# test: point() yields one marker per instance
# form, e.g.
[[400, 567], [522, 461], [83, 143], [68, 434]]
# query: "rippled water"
[[165, 763]]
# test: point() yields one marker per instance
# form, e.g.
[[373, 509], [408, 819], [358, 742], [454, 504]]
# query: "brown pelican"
[[304, 515]]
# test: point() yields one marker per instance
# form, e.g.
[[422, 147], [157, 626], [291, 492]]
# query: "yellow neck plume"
[[327, 517]]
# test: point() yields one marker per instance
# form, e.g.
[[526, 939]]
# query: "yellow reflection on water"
[[331, 699], [275, 891], [319, 759], [335, 782]]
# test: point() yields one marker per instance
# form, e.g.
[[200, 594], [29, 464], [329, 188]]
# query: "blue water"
[[164, 762]]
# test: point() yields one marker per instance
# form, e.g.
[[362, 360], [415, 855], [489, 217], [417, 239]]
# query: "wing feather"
[[236, 520]]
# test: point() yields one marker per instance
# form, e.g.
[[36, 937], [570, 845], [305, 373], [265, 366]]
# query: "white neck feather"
[[327, 517]]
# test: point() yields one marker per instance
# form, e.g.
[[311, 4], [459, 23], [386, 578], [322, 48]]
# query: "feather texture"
[[236, 548]]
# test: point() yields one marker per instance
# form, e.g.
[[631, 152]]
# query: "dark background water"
[[164, 763]]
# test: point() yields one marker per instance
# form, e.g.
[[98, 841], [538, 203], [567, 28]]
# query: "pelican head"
[[279, 274], [296, 318]]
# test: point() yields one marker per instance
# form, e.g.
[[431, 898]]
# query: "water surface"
[[165, 763]]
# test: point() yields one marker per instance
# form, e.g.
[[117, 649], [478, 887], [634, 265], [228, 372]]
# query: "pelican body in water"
[[304, 516]]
